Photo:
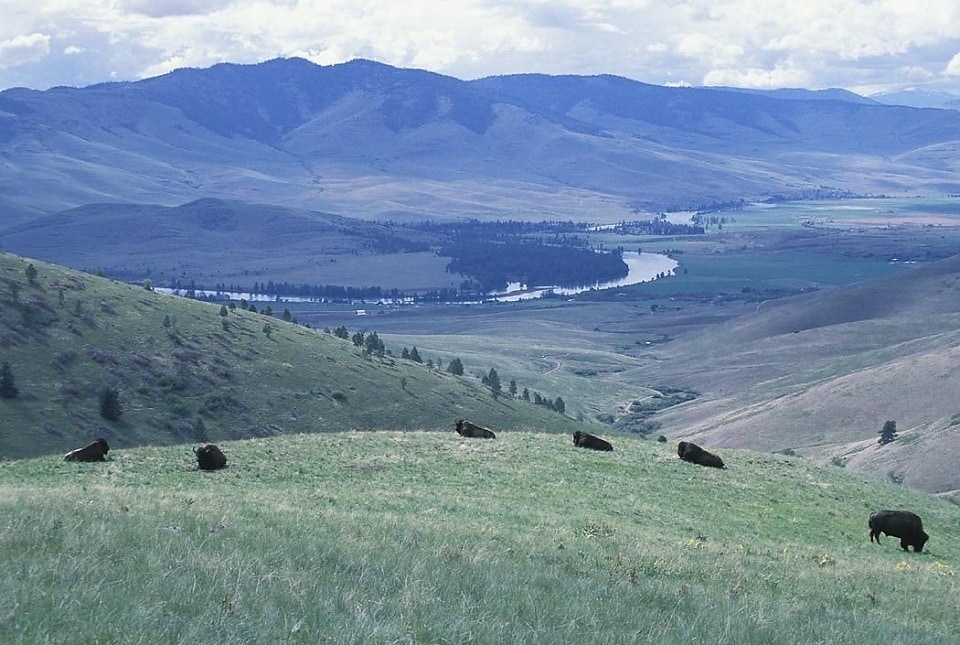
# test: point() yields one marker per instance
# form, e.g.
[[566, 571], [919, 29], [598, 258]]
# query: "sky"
[[866, 46]]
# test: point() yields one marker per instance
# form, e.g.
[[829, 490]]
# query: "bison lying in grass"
[[693, 453], [210, 457], [902, 524], [93, 451], [587, 440], [467, 429]]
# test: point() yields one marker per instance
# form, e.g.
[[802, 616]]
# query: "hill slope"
[[420, 537], [367, 139], [820, 374], [187, 373]]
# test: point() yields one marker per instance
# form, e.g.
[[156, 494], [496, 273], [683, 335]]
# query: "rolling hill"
[[189, 371], [228, 242], [365, 139], [819, 374]]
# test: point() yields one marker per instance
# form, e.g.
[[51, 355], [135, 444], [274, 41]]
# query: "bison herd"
[[209, 457], [901, 524]]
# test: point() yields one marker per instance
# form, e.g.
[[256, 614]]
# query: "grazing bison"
[[696, 455], [587, 440], [209, 457], [902, 524], [93, 451], [467, 429]]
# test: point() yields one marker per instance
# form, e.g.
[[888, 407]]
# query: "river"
[[641, 267]]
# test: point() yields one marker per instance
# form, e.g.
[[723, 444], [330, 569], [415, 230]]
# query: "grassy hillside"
[[822, 372], [430, 538], [186, 373]]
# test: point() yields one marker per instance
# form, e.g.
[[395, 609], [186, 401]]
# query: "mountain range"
[[364, 139]]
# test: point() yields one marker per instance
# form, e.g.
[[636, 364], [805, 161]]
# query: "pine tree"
[[110, 407], [455, 367], [492, 381], [888, 433]]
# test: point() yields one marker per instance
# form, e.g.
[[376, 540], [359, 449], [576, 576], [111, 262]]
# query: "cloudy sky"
[[862, 45]]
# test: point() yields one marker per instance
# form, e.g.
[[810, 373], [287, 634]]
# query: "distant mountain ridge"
[[366, 139]]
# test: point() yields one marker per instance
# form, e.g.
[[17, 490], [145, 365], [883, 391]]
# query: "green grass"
[[429, 538], [187, 374]]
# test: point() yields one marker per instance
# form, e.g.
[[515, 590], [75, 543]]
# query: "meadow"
[[425, 537]]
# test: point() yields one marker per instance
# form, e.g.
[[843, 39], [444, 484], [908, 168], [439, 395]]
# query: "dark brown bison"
[[467, 429], [902, 524], [587, 440], [93, 451], [209, 457], [696, 455]]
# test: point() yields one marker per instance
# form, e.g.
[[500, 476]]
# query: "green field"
[[422, 537]]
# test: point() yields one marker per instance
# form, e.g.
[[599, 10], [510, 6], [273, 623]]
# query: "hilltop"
[[368, 140], [425, 537], [188, 371]]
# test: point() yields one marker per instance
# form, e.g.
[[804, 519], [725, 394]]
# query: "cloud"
[[756, 78], [20, 50], [825, 43], [953, 67], [173, 8]]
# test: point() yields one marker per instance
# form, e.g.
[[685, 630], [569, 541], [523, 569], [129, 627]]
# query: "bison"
[[902, 524], [467, 429], [209, 457], [93, 451], [693, 453], [587, 440]]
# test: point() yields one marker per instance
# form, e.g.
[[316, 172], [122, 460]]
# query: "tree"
[[110, 406], [492, 381], [513, 387], [8, 389], [888, 433], [341, 332], [267, 329], [31, 272], [373, 344], [559, 405], [224, 311], [455, 367], [287, 316], [358, 339], [526, 394], [415, 355]]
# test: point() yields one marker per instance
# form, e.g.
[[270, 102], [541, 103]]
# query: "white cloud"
[[846, 43], [953, 67], [23, 49], [756, 78]]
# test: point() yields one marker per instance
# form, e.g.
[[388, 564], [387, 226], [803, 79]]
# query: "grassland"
[[420, 537], [189, 371]]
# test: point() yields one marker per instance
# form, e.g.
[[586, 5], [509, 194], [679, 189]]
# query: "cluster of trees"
[[544, 232], [657, 226], [495, 264]]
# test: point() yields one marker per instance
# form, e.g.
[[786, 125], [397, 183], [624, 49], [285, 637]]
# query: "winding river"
[[641, 267]]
